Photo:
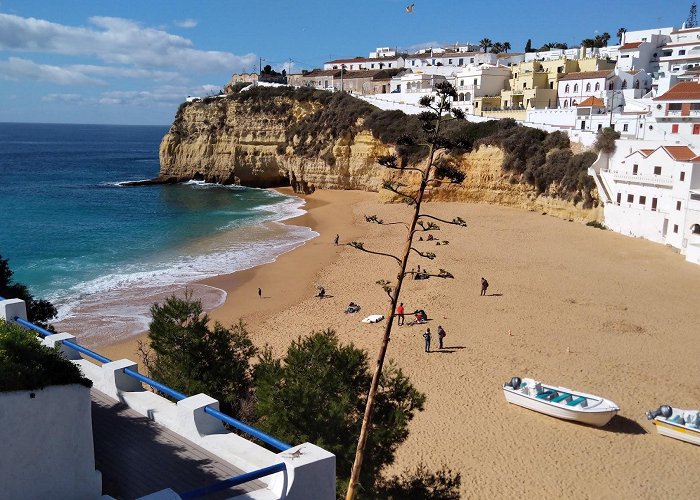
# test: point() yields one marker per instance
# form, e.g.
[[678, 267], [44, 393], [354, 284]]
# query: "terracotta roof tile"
[[646, 152], [592, 101], [680, 153], [585, 75], [684, 91], [631, 45]]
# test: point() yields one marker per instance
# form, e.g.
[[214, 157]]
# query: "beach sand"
[[587, 309]]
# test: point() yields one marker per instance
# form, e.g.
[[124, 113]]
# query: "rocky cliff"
[[234, 141]]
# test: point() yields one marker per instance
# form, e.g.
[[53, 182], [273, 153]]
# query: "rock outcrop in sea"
[[286, 138]]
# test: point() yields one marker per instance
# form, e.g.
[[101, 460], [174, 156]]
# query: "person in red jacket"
[[400, 314]]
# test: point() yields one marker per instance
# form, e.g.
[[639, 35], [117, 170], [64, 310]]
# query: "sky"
[[132, 62]]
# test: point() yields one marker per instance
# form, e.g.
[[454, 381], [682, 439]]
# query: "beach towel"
[[373, 318]]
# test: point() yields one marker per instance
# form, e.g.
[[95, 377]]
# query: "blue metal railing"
[[237, 424], [177, 395], [234, 481]]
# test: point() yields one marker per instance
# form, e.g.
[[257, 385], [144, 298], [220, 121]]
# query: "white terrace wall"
[[47, 448]]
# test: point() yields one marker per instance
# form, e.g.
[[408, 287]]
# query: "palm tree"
[[620, 34], [604, 38], [506, 46], [485, 43], [497, 48]]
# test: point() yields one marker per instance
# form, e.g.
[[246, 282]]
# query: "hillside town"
[[646, 88]]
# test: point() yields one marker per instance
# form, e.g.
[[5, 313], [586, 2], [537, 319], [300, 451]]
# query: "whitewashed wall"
[[47, 449]]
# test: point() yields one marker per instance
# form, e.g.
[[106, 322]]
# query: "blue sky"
[[133, 62]]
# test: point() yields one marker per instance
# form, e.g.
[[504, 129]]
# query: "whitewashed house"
[[653, 194], [676, 116], [411, 83], [479, 81], [575, 88]]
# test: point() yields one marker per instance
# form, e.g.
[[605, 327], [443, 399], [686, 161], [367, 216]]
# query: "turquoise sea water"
[[103, 253]]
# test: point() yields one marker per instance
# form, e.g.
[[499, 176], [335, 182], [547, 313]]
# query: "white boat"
[[560, 402], [677, 423]]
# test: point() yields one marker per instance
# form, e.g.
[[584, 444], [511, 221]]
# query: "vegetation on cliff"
[[26, 364]]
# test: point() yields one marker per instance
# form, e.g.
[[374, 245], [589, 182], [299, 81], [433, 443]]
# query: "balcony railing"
[[657, 180]]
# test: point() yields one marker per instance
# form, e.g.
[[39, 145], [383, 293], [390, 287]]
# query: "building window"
[[678, 205], [630, 198], [654, 201], [619, 198], [600, 126], [372, 65], [566, 103], [676, 106], [597, 86], [566, 89], [461, 83], [696, 129], [681, 52], [674, 128], [610, 86], [461, 61], [657, 170], [624, 84], [588, 87], [390, 64], [682, 176], [635, 169], [575, 87], [475, 80], [449, 61], [642, 200], [675, 228], [624, 127]]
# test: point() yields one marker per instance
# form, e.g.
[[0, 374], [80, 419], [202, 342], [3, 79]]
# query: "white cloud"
[[186, 23], [24, 69], [116, 41]]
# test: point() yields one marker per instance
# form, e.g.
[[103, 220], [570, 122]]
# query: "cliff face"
[[234, 142]]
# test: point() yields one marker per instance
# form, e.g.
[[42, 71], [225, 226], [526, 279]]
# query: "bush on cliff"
[[39, 311], [26, 364]]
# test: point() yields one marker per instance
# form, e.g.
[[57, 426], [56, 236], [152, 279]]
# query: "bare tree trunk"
[[367, 419]]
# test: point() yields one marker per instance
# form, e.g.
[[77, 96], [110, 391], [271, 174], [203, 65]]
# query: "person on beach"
[[426, 336], [441, 335], [400, 315], [260, 292], [321, 292], [337, 238], [484, 286]]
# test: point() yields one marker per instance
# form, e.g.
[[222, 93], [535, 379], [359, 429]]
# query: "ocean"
[[104, 253]]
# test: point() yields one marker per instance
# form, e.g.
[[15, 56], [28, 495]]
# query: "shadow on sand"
[[624, 425]]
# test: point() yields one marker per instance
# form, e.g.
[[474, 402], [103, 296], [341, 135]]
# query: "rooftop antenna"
[[692, 21]]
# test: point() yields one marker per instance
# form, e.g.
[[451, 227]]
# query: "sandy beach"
[[568, 304]]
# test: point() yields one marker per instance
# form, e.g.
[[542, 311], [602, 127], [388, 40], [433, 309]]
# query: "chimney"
[[582, 52]]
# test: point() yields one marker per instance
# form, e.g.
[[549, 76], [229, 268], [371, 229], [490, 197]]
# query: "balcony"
[[654, 180]]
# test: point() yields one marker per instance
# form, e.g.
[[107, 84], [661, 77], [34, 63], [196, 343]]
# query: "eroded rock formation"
[[239, 142]]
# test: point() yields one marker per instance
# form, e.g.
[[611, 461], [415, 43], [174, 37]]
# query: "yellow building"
[[534, 84]]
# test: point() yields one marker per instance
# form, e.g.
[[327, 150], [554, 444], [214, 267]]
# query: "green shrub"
[[605, 141], [595, 223], [26, 364]]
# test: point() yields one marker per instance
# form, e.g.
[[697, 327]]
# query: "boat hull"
[[597, 417], [680, 432]]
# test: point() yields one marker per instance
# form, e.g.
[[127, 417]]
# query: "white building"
[[575, 88], [409, 83], [676, 115], [479, 81], [652, 194], [358, 63]]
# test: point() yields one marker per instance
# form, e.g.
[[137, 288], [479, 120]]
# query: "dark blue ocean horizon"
[[71, 232]]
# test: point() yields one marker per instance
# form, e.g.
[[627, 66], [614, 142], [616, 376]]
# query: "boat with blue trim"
[[676, 423], [560, 402]]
